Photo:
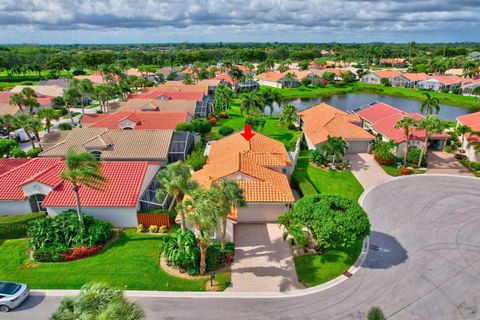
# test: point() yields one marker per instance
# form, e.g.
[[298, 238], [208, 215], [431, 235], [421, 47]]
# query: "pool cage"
[[181, 146], [148, 201]]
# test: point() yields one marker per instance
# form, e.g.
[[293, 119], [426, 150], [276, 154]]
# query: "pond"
[[353, 101]]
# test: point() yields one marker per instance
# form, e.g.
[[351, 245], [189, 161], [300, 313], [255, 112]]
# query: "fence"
[[294, 155], [153, 219]]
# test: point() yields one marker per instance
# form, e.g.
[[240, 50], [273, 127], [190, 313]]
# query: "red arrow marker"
[[247, 132]]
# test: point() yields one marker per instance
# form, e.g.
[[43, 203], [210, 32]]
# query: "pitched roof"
[[387, 73], [7, 164], [412, 76], [173, 95], [95, 78], [448, 80], [271, 76], [178, 86], [143, 120], [144, 145], [383, 118], [61, 82], [136, 72], [5, 96], [248, 163], [7, 108], [44, 90], [122, 189], [225, 77], [473, 121], [188, 106], [323, 120]]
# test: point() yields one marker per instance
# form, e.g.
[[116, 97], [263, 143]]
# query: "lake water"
[[353, 101]]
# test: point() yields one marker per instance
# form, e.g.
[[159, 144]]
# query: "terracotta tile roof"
[[5, 96], [7, 164], [136, 72], [96, 78], [49, 91], [411, 76], [448, 80], [173, 95], [383, 118], [271, 76], [473, 121], [387, 73], [188, 106], [225, 77], [248, 163], [179, 86], [323, 120], [143, 120], [144, 145], [7, 108]]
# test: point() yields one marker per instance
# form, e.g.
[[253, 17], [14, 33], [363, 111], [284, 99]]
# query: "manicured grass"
[[312, 180], [360, 87], [131, 263], [16, 226], [467, 164], [393, 170], [273, 128], [316, 269]]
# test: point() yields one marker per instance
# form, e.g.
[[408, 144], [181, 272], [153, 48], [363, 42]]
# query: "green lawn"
[[312, 180], [360, 87], [393, 170], [315, 269], [131, 263], [272, 128]]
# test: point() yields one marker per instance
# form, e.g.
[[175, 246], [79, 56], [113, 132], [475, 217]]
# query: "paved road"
[[424, 263]]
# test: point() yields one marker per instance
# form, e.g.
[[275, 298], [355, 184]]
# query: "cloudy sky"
[[137, 21]]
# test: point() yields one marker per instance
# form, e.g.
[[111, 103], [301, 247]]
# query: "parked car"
[[12, 295], [20, 135]]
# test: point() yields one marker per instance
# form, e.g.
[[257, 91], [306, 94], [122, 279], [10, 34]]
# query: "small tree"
[[430, 105], [383, 152], [333, 149], [289, 116], [47, 114], [83, 169], [431, 125], [375, 313], [407, 124], [385, 82]]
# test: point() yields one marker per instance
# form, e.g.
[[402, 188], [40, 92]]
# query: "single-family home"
[[394, 62], [260, 167], [408, 79], [244, 85], [154, 105], [277, 79], [34, 185], [42, 90], [438, 83], [135, 120], [471, 120], [468, 87], [322, 121], [60, 82], [7, 108], [161, 146], [150, 76], [311, 75], [377, 76], [95, 78], [339, 73], [167, 71], [381, 119]]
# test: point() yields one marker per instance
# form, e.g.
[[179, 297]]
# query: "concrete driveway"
[[367, 171], [263, 261], [440, 162]]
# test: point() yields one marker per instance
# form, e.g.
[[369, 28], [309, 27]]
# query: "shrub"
[[33, 153], [181, 250], [460, 156], [317, 157], [448, 149], [196, 160], [257, 122], [153, 228], [475, 166], [162, 229], [18, 153], [184, 126], [12, 227], [216, 258], [457, 90], [140, 228], [65, 126], [81, 252], [212, 120], [445, 90], [225, 130], [404, 171], [375, 313], [414, 155], [223, 115], [383, 161], [54, 236], [201, 125]]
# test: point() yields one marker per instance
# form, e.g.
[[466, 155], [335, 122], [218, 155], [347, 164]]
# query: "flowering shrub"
[[162, 229], [153, 229], [140, 228], [212, 120], [404, 171], [81, 252], [229, 257]]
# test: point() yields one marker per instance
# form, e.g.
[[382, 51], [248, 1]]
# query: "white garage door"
[[358, 146], [257, 213]]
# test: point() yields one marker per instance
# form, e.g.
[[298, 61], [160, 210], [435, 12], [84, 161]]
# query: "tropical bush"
[[81, 252], [383, 152], [212, 120], [181, 250], [53, 237], [404, 171], [201, 125], [448, 148], [162, 229], [197, 159], [257, 122], [375, 313], [225, 130], [475, 166], [460, 156], [317, 157], [8, 147], [33, 153], [184, 126], [414, 155], [65, 126], [12, 227], [98, 301], [216, 258], [332, 220]]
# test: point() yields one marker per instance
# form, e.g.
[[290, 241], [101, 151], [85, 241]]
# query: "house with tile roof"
[[277, 79], [35, 185], [408, 79], [377, 76], [95, 78], [7, 108], [468, 88], [150, 76], [154, 105], [438, 83], [42, 90], [260, 167], [135, 120], [161, 146], [380, 118], [322, 121], [471, 120], [394, 62]]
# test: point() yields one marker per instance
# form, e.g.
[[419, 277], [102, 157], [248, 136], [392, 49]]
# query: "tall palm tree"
[[82, 170], [29, 98], [236, 73], [429, 105], [70, 97], [289, 116], [407, 124], [84, 87], [47, 114], [205, 210], [24, 121], [231, 197], [271, 96], [334, 148], [462, 130], [16, 99], [251, 103], [175, 180], [34, 125], [431, 125]]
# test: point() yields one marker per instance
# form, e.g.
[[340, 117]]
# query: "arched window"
[[97, 154], [127, 128]]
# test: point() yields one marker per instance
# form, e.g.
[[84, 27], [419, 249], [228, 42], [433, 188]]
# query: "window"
[[36, 203], [97, 154], [213, 234]]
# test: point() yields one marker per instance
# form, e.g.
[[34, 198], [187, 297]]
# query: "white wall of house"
[[261, 212], [310, 144], [118, 216], [270, 83], [358, 145], [401, 81], [150, 174], [470, 152], [36, 187], [12, 208], [371, 78]]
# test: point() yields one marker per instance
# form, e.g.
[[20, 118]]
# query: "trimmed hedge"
[[13, 227]]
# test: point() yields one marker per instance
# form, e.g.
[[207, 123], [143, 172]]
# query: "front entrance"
[[36, 203]]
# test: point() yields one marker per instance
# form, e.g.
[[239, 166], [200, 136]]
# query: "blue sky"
[[140, 21]]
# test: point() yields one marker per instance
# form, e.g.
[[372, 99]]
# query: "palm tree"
[[407, 124], [270, 96], [70, 97], [29, 98], [175, 180], [103, 94], [462, 130], [430, 105], [251, 103], [6, 122], [431, 125], [109, 304], [334, 148], [24, 121], [83, 169], [236, 73], [34, 125], [16, 99], [231, 196], [187, 79], [47, 114], [289, 116], [84, 87], [294, 229], [384, 150], [205, 209]]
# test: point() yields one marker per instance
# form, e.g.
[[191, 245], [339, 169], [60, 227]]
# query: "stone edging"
[[175, 272]]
